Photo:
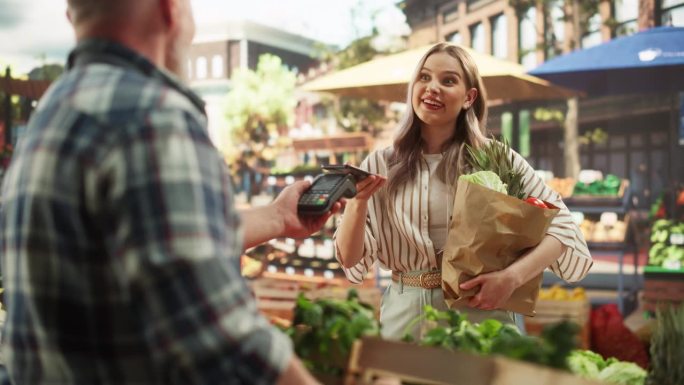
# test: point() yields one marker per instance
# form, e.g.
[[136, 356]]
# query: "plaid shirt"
[[120, 243]]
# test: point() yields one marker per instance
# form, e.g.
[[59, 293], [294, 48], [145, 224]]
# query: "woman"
[[402, 214]]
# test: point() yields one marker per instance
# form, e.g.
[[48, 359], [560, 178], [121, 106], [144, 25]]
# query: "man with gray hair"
[[119, 239]]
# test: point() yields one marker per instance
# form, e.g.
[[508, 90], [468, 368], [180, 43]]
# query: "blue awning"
[[648, 61]]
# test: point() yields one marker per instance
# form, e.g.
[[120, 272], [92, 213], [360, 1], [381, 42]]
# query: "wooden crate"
[[373, 357], [369, 295], [275, 298], [554, 311], [662, 291]]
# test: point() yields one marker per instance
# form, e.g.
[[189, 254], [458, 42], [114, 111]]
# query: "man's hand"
[[495, 289], [295, 226]]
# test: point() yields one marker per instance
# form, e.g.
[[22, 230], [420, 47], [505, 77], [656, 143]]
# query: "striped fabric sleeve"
[[575, 262], [356, 273]]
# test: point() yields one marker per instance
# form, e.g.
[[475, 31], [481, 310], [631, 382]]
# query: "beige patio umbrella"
[[386, 78]]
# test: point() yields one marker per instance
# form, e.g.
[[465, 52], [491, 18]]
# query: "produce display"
[[556, 304], [563, 186], [667, 244], [588, 364], [611, 338], [452, 330], [608, 186], [323, 330], [596, 231], [558, 293]]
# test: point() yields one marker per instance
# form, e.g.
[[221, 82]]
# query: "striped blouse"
[[399, 239]]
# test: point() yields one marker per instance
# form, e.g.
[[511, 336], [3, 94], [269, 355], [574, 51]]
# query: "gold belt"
[[426, 280]]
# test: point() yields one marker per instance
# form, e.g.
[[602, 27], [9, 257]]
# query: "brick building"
[[639, 127]]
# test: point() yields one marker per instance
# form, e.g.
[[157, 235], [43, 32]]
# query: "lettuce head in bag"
[[487, 179]]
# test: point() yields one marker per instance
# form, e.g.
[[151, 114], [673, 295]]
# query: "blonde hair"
[[470, 128]]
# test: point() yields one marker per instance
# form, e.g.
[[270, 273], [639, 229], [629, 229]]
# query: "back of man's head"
[[81, 11]]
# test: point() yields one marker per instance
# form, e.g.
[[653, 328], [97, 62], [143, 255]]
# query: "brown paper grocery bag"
[[489, 231]]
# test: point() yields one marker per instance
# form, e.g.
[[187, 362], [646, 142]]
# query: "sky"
[[34, 32]]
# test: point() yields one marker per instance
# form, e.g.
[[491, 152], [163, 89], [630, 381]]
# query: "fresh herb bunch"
[[324, 330], [453, 331], [667, 347], [497, 157]]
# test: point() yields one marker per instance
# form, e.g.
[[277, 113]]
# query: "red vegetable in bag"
[[536, 202]]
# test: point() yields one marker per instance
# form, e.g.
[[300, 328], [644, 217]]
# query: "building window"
[[455, 38], [217, 66], [593, 35], [477, 41], [672, 12], [555, 35], [528, 39], [201, 69], [626, 13], [472, 5], [500, 36], [450, 14]]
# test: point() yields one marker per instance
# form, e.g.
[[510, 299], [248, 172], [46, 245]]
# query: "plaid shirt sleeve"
[[164, 193]]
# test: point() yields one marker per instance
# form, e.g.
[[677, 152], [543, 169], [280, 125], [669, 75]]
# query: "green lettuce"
[[588, 364], [487, 179], [623, 373], [585, 363]]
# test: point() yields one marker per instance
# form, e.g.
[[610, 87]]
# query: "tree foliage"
[[577, 12], [355, 114], [46, 72], [261, 102]]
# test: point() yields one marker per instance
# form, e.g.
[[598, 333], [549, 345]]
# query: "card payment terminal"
[[325, 190]]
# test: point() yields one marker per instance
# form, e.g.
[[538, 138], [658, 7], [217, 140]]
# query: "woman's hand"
[[294, 225], [495, 289], [368, 186]]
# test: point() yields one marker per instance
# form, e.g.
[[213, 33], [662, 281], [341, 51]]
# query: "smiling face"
[[440, 92]]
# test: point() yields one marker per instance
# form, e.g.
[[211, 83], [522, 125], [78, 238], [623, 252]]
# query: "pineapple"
[[494, 156]]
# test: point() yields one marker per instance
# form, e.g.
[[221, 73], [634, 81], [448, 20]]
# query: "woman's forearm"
[[350, 234], [536, 260]]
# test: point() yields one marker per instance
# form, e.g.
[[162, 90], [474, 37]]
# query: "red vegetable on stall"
[[611, 338]]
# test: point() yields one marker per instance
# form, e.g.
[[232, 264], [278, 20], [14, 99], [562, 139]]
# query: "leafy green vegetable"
[[588, 364], [497, 157], [324, 330], [453, 331], [623, 373], [608, 186], [662, 253], [487, 179], [585, 363]]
